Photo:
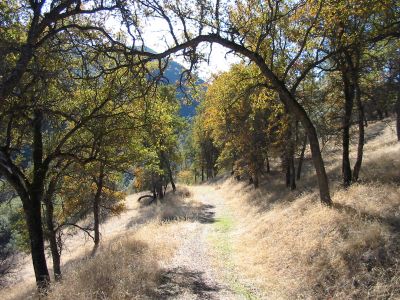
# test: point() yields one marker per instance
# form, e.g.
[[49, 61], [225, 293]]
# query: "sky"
[[156, 35]]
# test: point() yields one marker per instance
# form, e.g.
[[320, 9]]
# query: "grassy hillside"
[[291, 246], [269, 243]]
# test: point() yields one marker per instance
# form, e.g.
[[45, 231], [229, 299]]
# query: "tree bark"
[[51, 231], [159, 187], [268, 166], [301, 158], [380, 113], [295, 108], [256, 181], [96, 206], [398, 115], [292, 173], [360, 147], [289, 153], [31, 195], [55, 254], [287, 170], [33, 219], [346, 123], [33, 208], [170, 175]]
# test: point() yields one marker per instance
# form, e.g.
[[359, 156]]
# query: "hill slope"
[[173, 74], [225, 240]]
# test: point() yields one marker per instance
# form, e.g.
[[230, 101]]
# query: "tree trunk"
[[268, 166], [398, 115], [34, 221], [256, 182], [360, 148], [292, 146], [295, 108], [348, 107], [380, 113], [31, 195], [287, 173], [288, 99], [160, 192], [153, 186], [301, 158], [96, 206], [33, 209], [292, 173], [168, 165], [290, 169], [171, 178], [55, 254], [96, 218]]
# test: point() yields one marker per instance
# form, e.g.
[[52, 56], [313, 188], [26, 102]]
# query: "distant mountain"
[[173, 74]]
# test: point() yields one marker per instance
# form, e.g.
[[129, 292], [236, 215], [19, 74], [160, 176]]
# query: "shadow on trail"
[[180, 281]]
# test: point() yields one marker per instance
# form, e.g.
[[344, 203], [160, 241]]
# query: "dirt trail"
[[193, 272], [197, 270]]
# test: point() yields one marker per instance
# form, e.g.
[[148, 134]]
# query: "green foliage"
[[241, 117], [159, 136]]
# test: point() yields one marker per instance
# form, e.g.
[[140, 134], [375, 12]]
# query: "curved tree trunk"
[[295, 108], [286, 96], [298, 111]]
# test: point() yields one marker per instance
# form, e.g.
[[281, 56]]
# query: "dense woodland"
[[86, 113]]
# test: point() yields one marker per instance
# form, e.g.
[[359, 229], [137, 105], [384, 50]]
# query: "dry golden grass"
[[130, 260], [127, 267], [286, 243], [131, 266], [291, 246]]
